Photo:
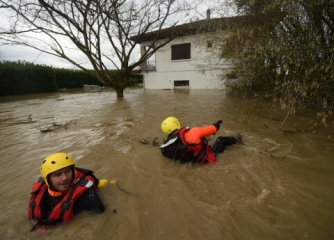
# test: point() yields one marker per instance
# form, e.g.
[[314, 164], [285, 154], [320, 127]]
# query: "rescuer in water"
[[62, 192], [190, 145]]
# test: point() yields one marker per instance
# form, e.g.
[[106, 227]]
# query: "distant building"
[[191, 60]]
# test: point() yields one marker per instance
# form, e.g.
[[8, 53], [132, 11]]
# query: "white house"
[[191, 60]]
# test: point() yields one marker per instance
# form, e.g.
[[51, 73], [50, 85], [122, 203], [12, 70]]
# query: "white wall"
[[201, 70]]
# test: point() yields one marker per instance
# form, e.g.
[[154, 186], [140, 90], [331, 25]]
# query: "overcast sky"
[[16, 53]]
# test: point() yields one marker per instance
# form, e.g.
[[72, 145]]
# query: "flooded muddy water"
[[275, 185]]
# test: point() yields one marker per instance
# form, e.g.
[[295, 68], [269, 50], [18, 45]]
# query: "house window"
[[181, 83], [181, 51]]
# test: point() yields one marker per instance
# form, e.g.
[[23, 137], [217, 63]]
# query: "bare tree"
[[100, 30]]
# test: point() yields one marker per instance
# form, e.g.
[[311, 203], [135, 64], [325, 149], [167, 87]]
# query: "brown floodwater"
[[275, 185]]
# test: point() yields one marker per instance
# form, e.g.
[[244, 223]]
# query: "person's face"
[[61, 180]]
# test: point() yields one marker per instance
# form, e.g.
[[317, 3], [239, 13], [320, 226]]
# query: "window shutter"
[[181, 51]]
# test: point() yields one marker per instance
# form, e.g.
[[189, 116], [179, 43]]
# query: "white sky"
[[16, 53]]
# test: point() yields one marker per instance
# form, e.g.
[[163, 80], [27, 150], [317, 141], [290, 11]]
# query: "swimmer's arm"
[[195, 134]]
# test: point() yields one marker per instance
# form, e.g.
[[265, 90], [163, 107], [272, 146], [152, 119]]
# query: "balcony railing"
[[149, 66]]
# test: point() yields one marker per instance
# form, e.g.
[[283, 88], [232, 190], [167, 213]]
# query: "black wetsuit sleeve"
[[89, 201]]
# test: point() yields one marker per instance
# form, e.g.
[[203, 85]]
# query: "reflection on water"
[[275, 185]]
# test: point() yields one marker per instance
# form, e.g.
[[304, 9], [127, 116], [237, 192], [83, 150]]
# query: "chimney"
[[208, 14]]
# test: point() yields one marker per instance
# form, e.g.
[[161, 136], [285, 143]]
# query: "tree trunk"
[[119, 92]]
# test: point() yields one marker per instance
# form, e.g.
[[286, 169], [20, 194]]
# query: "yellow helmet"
[[169, 125], [53, 163]]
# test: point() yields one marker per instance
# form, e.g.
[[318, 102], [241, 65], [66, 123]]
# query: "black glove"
[[217, 124]]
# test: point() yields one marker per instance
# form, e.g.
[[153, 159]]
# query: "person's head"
[[169, 125], [58, 173]]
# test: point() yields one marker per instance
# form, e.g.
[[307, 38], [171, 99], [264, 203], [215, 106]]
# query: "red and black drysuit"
[[176, 148], [45, 209], [190, 144]]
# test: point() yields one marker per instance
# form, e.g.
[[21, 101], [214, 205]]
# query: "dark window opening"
[[181, 83], [181, 51], [209, 44]]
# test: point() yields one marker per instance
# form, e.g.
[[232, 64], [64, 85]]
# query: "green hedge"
[[67, 78], [27, 78]]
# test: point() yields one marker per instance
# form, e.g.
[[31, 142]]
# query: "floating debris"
[[53, 125], [149, 141]]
